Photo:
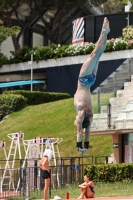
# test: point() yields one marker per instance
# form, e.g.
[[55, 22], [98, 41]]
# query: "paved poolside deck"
[[111, 198], [4, 196]]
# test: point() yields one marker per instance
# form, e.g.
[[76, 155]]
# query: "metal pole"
[[109, 115], [35, 174], [129, 63], [114, 84], [27, 192], [21, 176], [129, 7], [128, 15], [102, 7], [82, 166], [50, 186], [99, 100], [106, 159], [128, 19], [31, 71]]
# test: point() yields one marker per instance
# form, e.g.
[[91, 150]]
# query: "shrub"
[[73, 50], [110, 172], [37, 97], [89, 47], [58, 51], [43, 53], [24, 55], [4, 110], [10, 103], [129, 44], [3, 59], [119, 44], [127, 33], [109, 45]]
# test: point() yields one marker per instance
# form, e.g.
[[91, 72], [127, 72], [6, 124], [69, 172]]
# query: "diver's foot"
[[84, 150], [106, 27]]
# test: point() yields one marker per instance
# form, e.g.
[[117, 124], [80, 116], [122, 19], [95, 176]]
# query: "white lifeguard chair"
[[35, 148], [11, 157], [2, 147]]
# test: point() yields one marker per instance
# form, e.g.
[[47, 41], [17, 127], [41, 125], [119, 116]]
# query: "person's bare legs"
[[87, 137], [106, 23], [89, 193], [85, 192], [91, 64], [98, 58], [82, 194], [47, 184]]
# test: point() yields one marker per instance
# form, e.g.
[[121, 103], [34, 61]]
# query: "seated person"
[[87, 188]]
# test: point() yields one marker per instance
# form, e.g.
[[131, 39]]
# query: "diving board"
[[17, 83]]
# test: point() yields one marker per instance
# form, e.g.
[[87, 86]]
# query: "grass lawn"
[[101, 189], [117, 189], [55, 119]]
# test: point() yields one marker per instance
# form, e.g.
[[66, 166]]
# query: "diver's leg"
[[79, 140], [86, 140], [92, 61], [87, 137], [98, 58]]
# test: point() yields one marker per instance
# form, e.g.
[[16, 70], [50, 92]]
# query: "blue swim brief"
[[88, 80]]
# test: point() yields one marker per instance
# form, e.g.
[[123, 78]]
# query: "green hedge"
[[58, 51], [10, 103], [110, 172], [36, 97], [3, 59]]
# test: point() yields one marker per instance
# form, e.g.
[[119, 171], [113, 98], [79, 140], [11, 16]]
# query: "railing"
[[27, 182], [109, 115], [114, 85], [103, 159]]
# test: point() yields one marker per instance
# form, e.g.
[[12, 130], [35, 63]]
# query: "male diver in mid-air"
[[82, 97]]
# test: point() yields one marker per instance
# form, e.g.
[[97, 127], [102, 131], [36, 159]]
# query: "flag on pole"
[[78, 31]]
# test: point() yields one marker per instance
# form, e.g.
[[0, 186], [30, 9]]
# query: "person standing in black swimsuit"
[[44, 165]]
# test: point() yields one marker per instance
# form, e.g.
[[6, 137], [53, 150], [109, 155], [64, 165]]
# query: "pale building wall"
[[7, 46], [37, 40]]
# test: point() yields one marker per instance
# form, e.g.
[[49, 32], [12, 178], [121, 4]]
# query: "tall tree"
[[24, 11], [60, 7], [5, 32], [10, 10], [115, 6]]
